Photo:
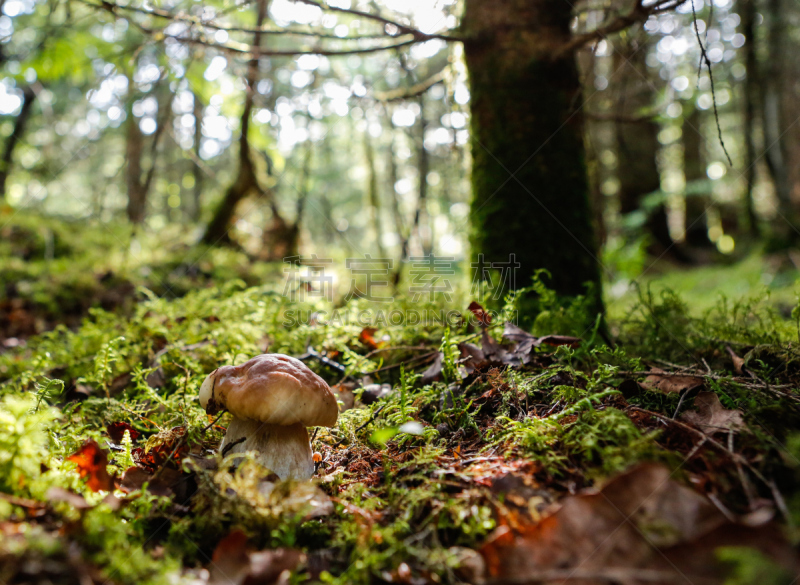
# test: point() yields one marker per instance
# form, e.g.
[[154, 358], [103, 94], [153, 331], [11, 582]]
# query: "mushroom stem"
[[284, 450]]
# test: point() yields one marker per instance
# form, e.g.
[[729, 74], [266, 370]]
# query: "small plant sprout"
[[272, 398]]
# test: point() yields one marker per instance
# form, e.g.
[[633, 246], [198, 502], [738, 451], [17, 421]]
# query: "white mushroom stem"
[[284, 450]]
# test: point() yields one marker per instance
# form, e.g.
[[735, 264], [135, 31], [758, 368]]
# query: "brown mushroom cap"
[[272, 388]]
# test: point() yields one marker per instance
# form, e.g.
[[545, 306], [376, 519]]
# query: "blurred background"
[[124, 162]]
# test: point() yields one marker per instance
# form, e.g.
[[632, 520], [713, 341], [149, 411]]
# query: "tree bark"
[[747, 13], [137, 181], [134, 144], [246, 181], [694, 171], [372, 194], [638, 146], [197, 172], [529, 182], [773, 114], [7, 162]]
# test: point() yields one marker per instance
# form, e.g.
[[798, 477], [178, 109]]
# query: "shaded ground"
[[482, 454]]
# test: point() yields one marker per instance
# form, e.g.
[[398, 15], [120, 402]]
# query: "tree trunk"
[[134, 145], [7, 162], [421, 217], [246, 181], [197, 204], [138, 182], [638, 146], [373, 195], [529, 183], [773, 115], [747, 13], [697, 199]]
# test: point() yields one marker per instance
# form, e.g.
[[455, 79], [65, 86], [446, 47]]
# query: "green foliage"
[[24, 441], [749, 566]]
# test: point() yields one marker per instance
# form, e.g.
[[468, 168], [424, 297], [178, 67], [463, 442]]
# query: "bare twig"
[[704, 59]]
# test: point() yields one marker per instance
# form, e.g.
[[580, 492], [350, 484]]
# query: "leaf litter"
[[520, 467]]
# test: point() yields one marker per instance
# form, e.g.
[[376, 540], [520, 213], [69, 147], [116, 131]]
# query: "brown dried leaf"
[[471, 357], [232, 564], [483, 317], [92, 461], [367, 337], [134, 479], [557, 340], [641, 527], [434, 371], [738, 362], [374, 392], [711, 416], [117, 431], [524, 340], [661, 381]]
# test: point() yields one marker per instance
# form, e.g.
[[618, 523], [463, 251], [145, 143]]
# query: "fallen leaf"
[[494, 352], [483, 317], [117, 431], [233, 564], [160, 447], [434, 371], [92, 461], [367, 337], [525, 342], [134, 479], [738, 362], [374, 392], [557, 340], [642, 526], [661, 381], [711, 416]]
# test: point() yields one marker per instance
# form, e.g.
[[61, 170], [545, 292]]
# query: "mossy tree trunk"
[[529, 180]]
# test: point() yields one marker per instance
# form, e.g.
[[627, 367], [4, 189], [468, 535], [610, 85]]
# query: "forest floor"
[[505, 450]]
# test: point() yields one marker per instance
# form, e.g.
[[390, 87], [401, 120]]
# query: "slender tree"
[[7, 160], [637, 142], [774, 115], [747, 12], [137, 180], [698, 191], [245, 181]]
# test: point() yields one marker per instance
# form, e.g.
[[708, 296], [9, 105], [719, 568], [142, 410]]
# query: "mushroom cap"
[[272, 388]]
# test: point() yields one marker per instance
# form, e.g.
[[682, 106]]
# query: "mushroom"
[[272, 398]]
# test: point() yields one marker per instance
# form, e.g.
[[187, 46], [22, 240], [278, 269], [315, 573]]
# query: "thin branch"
[[402, 28], [704, 59], [415, 90], [639, 13], [210, 24], [244, 49]]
